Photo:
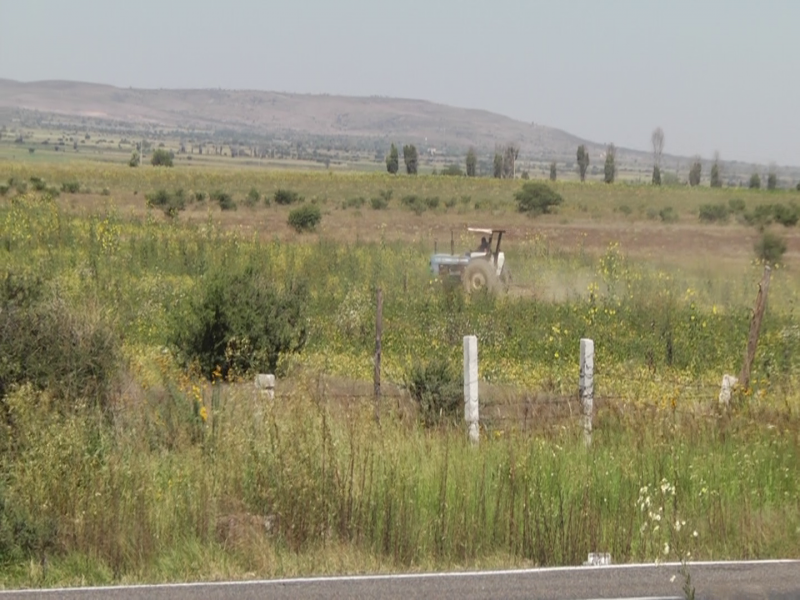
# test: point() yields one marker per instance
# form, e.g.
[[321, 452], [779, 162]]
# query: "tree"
[[393, 161], [472, 162], [536, 198], [583, 161], [410, 158], [657, 139], [135, 160], [553, 173], [755, 182], [772, 178], [716, 180], [510, 155], [498, 165], [161, 158], [695, 172], [238, 322], [610, 168]]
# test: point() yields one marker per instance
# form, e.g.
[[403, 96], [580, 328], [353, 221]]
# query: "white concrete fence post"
[[265, 385], [586, 386], [471, 413]]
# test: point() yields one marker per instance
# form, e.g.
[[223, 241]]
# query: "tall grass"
[[179, 472], [266, 484]]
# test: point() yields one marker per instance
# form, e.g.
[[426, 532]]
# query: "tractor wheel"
[[479, 275]]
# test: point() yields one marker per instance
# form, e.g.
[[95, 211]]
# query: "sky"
[[716, 75]]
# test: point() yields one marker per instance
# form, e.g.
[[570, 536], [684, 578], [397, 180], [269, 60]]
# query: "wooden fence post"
[[755, 328], [378, 337], [471, 412], [586, 386]]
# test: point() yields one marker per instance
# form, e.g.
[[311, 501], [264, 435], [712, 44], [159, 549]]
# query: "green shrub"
[[760, 216], [305, 218], [537, 198], [452, 170], [450, 202], [170, 203], [668, 215], [200, 196], [357, 202], [786, 215], [770, 248], [379, 203], [755, 182], [714, 213], [72, 353], [70, 187], [625, 209], [414, 203], [432, 202], [253, 197], [38, 184], [286, 197], [224, 199], [736, 205], [161, 158], [437, 389], [3, 189], [238, 323]]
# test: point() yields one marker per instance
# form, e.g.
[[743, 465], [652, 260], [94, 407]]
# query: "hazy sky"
[[714, 74]]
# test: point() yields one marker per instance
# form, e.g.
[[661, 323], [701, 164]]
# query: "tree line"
[[505, 160]]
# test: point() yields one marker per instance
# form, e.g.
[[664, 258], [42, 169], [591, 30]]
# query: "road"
[[773, 580]]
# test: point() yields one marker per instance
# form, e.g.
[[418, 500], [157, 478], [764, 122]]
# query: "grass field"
[[176, 477]]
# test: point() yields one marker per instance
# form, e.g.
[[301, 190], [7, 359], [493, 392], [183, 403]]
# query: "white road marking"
[[406, 576]]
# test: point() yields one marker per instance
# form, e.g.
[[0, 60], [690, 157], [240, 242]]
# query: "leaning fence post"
[[586, 385], [471, 415]]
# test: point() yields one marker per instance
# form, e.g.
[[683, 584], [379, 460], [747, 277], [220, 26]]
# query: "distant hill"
[[426, 124]]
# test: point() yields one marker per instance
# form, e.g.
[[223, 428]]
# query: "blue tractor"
[[481, 269]]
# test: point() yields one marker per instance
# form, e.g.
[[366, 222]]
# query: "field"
[[158, 471]]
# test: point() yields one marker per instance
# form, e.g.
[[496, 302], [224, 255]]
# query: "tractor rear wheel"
[[479, 275]]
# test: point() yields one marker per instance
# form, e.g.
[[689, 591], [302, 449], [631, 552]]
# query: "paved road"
[[774, 580]]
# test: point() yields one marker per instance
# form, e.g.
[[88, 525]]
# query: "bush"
[[170, 204], [200, 196], [357, 202], [71, 187], [770, 248], [714, 213], [437, 389], [379, 203], [224, 199], [537, 198], [38, 184], [414, 203], [761, 215], [786, 215], [736, 205], [755, 182], [3, 189], [161, 158], [668, 215], [452, 170], [70, 352], [286, 197], [432, 202], [305, 218], [238, 323], [253, 197]]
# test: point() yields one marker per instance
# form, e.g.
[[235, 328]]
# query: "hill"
[[429, 125]]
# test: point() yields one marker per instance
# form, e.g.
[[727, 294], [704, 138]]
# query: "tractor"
[[481, 269]]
